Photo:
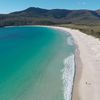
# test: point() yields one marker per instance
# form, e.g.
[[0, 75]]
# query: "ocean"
[[36, 63]]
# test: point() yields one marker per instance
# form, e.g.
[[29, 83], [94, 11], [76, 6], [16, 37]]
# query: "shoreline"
[[78, 68], [77, 75], [86, 84]]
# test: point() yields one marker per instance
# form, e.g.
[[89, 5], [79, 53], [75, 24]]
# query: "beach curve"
[[87, 78]]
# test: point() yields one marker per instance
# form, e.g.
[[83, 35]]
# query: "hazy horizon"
[[48, 9], [8, 6]]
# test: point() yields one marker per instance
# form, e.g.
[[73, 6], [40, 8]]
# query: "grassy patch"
[[93, 30]]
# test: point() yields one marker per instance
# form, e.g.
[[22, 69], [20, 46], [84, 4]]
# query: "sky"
[[7, 6]]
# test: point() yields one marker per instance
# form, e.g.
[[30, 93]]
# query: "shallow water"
[[32, 63]]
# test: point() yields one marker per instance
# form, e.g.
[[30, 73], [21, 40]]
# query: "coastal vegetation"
[[93, 30], [87, 21]]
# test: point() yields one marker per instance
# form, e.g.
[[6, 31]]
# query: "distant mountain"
[[98, 12], [33, 16]]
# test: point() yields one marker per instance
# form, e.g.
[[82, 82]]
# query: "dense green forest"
[[38, 16]]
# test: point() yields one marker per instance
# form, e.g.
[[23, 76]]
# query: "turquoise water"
[[32, 63]]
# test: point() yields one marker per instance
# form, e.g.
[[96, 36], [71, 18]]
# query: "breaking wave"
[[70, 41], [68, 76]]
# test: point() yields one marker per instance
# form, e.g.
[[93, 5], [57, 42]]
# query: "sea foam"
[[68, 76], [70, 41]]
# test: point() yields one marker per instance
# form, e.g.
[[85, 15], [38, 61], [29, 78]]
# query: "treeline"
[[92, 29], [24, 21], [39, 16]]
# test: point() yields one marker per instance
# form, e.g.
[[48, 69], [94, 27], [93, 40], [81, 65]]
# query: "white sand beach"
[[87, 78]]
